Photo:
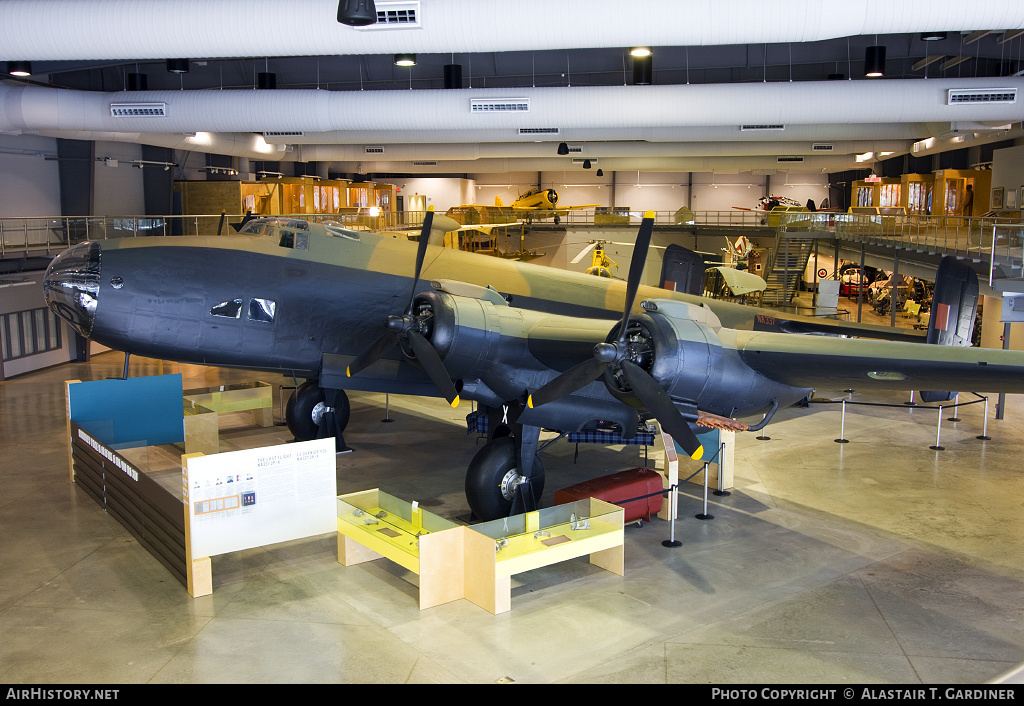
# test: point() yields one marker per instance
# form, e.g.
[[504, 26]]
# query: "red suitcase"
[[637, 490]]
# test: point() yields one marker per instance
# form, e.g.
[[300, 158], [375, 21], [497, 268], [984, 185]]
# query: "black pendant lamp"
[[586, 164], [357, 13], [563, 149], [874, 61]]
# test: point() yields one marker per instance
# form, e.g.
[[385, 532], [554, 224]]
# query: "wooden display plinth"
[[476, 563], [372, 524], [203, 407], [497, 550]]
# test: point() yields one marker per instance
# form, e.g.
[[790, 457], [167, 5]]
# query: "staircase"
[[784, 273]]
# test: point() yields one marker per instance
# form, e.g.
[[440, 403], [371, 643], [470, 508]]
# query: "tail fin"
[[497, 201], [682, 270], [954, 308]]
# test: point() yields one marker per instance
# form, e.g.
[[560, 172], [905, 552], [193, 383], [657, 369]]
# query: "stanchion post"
[[721, 471], [938, 434], [842, 428], [387, 409], [673, 512], [705, 515], [956, 409], [984, 434]]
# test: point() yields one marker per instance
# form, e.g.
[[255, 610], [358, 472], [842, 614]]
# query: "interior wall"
[[30, 180], [442, 192], [1008, 169], [118, 190]]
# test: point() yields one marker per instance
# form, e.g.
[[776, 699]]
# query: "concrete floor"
[[875, 561]]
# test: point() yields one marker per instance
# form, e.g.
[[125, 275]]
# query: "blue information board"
[[124, 414]]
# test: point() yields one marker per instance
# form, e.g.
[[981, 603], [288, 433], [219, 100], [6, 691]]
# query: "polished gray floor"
[[875, 561]]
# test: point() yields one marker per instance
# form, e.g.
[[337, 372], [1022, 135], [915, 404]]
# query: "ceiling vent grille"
[[374, 150], [821, 147], [749, 128], [960, 96], [581, 160], [136, 110], [432, 163], [539, 130], [282, 133], [789, 159], [400, 14], [499, 105]]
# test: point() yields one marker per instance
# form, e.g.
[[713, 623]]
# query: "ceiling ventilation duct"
[[539, 131], [751, 128], [122, 110], [790, 159], [962, 96], [822, 147], [499, 105], [396, 15]]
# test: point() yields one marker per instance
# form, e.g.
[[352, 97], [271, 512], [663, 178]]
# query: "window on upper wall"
[[229, 310], [262, 310], [25, 333]]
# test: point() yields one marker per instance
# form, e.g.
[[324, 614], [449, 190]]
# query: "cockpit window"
[[262, 310], [229, 309]]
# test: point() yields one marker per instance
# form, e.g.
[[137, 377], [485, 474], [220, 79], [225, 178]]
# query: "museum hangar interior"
[[881, 560]]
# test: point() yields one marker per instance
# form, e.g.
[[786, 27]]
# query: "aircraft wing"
[[863, 364]]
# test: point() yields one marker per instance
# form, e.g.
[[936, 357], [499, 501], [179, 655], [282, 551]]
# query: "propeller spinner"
[[409, 328], [619, 356]]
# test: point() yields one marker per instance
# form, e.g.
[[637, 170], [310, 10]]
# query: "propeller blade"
[[421, 253], [636, 268], [372, 352], [659, 404], [427, 355], [573, 379]]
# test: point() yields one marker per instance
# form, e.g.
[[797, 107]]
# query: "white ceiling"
[[717, 65]]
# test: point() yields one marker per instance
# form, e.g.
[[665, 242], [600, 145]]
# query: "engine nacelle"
[[678, 344]]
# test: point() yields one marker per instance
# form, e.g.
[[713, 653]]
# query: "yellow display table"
[[478, 562]]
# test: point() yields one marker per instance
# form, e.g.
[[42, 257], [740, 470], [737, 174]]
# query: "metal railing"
[[999, 241]]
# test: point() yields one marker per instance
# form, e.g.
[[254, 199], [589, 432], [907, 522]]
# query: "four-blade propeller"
[[615, 356], [408, 328]]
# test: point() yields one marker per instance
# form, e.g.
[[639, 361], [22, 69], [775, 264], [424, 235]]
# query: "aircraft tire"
[[305, 406], [488, 472]]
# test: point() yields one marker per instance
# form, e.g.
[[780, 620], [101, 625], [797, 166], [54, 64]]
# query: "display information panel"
[[251, 498]]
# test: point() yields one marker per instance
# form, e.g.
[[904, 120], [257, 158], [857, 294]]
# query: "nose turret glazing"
[[72, 285]]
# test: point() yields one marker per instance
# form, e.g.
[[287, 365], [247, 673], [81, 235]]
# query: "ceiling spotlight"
[[177, 66], [563, 149], [600, 172], [932, 36], [874, 61], [586, 164], [640, 51], [19, 68], [357, 13], [405, 59]]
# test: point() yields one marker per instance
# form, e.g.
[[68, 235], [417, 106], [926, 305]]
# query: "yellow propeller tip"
[[698, 453], [430, 208], [529, 401], [648, 214], [455, 402], [348, 371]]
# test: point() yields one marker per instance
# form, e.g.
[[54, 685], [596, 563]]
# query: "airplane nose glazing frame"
[[72, 284]]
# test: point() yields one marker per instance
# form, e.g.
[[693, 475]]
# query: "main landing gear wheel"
[[306, 407], [492, 478]]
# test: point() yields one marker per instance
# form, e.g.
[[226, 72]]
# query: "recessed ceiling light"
[[640, 51]]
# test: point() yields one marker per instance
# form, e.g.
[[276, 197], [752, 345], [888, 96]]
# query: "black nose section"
[[72, 285]]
